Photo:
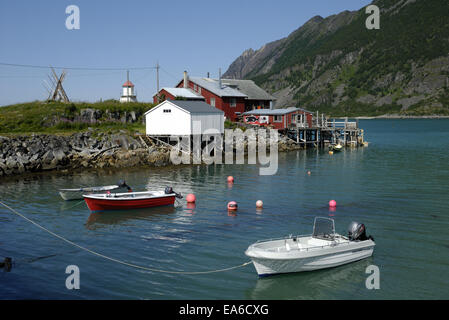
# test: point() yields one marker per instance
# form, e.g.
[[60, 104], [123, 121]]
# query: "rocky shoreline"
[[43, 152]]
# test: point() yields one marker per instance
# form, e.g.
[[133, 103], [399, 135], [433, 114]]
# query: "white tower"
[[128, 91]]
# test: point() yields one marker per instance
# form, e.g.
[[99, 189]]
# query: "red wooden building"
[[225, 98], [278, 118]]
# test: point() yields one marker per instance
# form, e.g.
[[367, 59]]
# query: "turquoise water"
[[398, 187]]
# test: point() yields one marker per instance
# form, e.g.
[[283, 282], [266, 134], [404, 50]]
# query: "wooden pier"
[[324, 132]]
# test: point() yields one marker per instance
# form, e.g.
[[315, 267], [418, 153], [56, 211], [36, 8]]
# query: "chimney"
[[219, 78], [186, 80], [208, 76]]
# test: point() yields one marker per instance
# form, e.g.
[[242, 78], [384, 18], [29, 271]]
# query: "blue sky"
[[197, 36]]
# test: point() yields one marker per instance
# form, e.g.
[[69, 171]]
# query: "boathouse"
[[176, 94], [183, 118], [279, 119]]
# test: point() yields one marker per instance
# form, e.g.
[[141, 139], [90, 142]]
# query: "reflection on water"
[[311, 284], [115, 217]]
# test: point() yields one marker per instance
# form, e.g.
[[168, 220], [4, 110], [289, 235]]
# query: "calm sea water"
[[398, 187]]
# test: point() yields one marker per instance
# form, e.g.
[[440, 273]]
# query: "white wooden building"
[[183, 118]]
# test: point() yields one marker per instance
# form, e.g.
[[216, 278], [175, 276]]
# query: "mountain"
[[338, 66]]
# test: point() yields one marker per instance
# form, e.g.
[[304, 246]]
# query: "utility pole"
[[157, 76]]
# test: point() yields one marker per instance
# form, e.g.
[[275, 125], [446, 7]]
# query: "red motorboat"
[[130, 200]]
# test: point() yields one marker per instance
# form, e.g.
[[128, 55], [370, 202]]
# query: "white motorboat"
[[323, 249], [77, 193]]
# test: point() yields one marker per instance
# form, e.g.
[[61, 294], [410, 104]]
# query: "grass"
[[61, 118]]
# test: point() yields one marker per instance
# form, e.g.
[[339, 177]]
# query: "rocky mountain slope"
[[338, 66]]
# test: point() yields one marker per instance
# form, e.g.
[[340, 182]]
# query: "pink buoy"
[[232, 205], [230, 179], [191, 198], [259, 204], [332, 203]]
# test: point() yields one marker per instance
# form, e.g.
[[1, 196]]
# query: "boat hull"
[[300, 261], [125, 204]]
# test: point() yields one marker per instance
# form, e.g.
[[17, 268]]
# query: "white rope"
[[116, 260]]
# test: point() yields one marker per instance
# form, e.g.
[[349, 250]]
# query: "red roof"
[[128, 84]]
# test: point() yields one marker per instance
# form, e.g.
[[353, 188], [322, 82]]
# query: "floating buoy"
[[309, 173], [232, 205], [191, 198], [331, 152], [332, 203], [259, 204], [230, 179]]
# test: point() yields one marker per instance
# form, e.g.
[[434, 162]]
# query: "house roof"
[[183, 92], [212, 86], [248, 87], [273, 112], [191, 106]]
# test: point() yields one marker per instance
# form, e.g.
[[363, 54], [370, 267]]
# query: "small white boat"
[[323, 249], [77, 193]]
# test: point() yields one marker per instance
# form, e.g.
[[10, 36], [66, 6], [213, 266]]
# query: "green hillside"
[[58, 117], [338, 66]]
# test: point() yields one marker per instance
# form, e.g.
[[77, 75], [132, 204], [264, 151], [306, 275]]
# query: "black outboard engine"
[[169, 190], [357, 232], [122, 184]]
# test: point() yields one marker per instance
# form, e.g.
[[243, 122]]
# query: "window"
[[167, 110], [233, 102], [277, 118], [199, 90], [294, 118], [212, 102]]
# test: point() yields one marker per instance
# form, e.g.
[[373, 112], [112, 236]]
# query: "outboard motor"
[[357, 232], [169, 190], [122, 184]]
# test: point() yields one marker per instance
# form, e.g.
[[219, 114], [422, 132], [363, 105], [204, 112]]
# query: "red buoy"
[[259, 204], [231, 179], [232, 205], [332, 203], [191, 198]]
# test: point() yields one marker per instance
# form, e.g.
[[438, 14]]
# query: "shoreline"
[[40, 153]]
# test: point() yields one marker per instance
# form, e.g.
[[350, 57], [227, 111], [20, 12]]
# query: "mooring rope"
[[73, 206], [114, 259]]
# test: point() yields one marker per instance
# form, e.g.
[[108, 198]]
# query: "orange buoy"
[[230, 179], [331, 152], [232, 205], [191, 198], [259, 204]]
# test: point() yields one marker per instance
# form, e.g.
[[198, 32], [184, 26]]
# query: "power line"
[[72, 68]]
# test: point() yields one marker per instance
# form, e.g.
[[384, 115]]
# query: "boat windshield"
[[323, 228]]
